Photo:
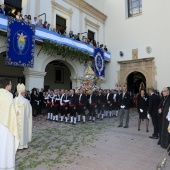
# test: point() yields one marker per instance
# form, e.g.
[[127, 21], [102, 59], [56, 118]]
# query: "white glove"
[[169, 116], [141, 110], [148, 116], [168, 128], [122, 107]]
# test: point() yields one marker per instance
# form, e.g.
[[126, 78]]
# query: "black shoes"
[[119, 126], [153, 137], [159, 142], [163, 147], [123, 126], [146, 130]]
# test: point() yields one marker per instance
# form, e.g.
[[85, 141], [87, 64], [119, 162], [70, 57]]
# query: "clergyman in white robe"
[[9, 136], [24, 117]]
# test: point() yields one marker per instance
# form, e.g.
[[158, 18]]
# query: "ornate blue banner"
[[20, 43], [99, 62]]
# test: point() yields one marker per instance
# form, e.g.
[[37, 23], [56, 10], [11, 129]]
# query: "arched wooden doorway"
[[145, 66], [134, 81]]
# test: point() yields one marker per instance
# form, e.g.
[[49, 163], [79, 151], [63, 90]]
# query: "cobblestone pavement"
[[91, 146]]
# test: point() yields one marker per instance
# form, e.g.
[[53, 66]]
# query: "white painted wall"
[[151, 28], [99, 4], [1, 2]]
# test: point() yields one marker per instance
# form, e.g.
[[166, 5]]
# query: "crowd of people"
[[105, 103], [70, 106], [39, 23], [64, 105], [156, 107]]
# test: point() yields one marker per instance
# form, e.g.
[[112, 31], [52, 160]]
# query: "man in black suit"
[[92, 106], [164, 135], [100, 104], [81, 105], [124, 102], [108, 106], [154, 101], [72, 106]]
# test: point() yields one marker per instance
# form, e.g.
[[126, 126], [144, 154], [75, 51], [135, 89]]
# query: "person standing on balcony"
[[34, 21], [39, 24], [18, 16], [2, 9]]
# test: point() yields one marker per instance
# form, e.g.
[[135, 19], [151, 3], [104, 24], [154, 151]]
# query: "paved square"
[[91, 146]]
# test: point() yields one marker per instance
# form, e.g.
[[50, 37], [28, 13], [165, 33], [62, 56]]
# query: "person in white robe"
[[9, 135], [24, 117]]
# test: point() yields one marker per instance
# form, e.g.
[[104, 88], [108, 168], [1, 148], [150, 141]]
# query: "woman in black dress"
[[142, 106], [34, 99]]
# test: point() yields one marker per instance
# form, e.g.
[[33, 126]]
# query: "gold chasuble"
[[8, 116]]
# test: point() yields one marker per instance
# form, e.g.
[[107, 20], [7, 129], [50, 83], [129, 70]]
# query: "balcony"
[[44, 34]]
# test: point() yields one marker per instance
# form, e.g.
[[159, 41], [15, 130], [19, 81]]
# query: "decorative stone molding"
[[146, 66], [134, 54], [60, 8], [88, 9], [91, 24], [56, 7]]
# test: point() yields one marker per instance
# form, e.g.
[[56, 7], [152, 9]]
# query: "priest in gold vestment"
[[24, 117], [9, 136]]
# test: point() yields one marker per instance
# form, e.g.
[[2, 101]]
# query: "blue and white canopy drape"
[[41, 33]]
